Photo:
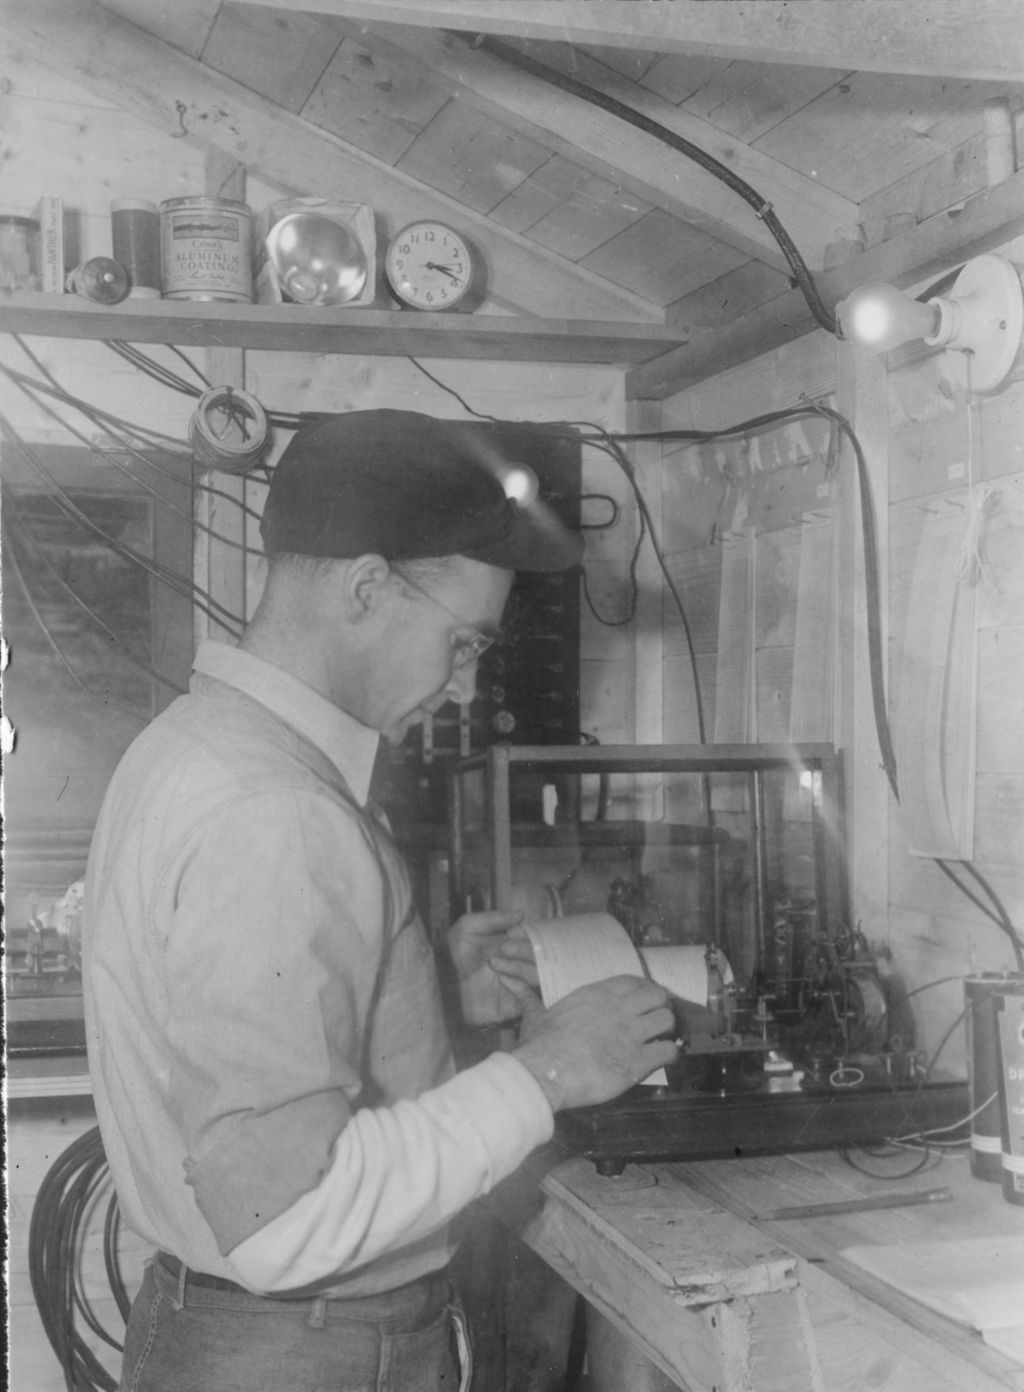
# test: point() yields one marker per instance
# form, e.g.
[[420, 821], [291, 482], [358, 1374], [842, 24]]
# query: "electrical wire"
[[762, 208], [90, 613], [613, 510], [172, 579], [147, 453], [109, 458], [286, 420], [62, 658], [67, 1195]]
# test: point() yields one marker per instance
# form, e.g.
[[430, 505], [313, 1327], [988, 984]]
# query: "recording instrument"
[[720, 869]]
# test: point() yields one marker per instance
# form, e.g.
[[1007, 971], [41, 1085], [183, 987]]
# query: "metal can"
[[205, 246]]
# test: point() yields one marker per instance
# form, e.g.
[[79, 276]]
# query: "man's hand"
[[493, 962], [598, 1041]]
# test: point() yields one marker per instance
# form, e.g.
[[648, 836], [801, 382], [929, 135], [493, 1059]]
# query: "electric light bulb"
[[881, 317]]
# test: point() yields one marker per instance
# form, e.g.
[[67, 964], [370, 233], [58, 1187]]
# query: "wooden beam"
[[304, 329], [984, 222], [939, 38], [179, 96], [633, 159]]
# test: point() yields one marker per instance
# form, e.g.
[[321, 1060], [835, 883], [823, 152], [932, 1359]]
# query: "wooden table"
[[676, 1258]]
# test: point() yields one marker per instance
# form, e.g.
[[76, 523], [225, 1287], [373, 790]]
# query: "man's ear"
[[367, 587]]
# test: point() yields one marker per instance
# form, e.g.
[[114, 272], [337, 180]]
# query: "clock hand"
[[445, 270]]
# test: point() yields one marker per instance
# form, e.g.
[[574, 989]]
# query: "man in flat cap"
[[272, 1072]]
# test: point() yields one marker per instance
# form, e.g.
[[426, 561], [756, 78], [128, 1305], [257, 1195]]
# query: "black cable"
[[76, 599], [613, 512], [480, 415], [109, 459], [286, 420], [145, 455], [64, 1200], [762, 208], [172, 579]]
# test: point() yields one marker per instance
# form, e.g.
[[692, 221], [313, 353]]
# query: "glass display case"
[[733, 846], [721, 867]]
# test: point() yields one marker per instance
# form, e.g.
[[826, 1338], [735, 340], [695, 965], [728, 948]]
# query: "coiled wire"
[[229, 430], [67, 1196]]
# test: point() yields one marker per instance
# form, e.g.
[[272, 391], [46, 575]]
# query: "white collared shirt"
[[271, 1069]]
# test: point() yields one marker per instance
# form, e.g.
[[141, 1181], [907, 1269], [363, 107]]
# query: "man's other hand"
[[494, 965]]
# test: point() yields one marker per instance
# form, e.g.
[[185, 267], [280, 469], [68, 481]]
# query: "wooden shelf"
[[299, 329]]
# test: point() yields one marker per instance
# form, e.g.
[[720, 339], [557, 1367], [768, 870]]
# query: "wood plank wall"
[[773, 497]]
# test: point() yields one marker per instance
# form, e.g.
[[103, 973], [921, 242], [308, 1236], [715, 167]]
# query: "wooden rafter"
[[940, 38], [96, 49], [631, 158]]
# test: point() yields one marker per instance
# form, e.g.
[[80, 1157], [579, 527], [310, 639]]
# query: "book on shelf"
[[50, 214]]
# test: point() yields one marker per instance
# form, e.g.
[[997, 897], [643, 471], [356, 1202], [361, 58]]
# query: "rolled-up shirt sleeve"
[[398, 1174]]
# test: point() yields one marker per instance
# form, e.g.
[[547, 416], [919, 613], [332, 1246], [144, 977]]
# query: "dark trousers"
[[188, 1336]]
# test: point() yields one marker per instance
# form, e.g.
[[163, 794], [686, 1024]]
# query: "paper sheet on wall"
[[582, 948]]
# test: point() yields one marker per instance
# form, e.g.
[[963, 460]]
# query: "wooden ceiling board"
[[540, 194], [957, 174], [185, 24], [729, 297], [872, 129], [746, 100], [628, 62], [676, 76], [378, 102], [471, 157], [965, 38], [568, 209], [279, 55], [661, 258], [594, 212]]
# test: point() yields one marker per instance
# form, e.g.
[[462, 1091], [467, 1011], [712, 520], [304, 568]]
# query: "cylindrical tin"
[[1010, 1016], [19, 253], [983, 1076], [205, 249], [135, 234]]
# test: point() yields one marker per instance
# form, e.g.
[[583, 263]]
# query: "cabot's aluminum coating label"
[[205, 249]]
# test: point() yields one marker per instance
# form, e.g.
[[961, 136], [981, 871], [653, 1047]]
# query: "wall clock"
[[428, 266]]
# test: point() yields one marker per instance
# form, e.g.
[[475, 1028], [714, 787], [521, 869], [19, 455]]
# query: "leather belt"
[[202, 1279]]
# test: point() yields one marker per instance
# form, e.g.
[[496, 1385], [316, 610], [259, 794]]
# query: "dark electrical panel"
[[528, 686]]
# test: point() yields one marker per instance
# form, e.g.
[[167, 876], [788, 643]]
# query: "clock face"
[[428, 266]]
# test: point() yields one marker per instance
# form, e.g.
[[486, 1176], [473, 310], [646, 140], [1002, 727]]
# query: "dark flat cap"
[[405, 486]]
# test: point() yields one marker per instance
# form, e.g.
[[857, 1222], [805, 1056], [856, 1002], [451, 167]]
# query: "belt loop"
[[182, 1283], [318, 1313]]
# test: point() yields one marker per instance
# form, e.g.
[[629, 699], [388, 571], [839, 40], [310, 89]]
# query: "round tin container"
[[19, 253], [205, 249]]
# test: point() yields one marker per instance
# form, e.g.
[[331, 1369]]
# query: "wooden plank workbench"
[[675, 1257]]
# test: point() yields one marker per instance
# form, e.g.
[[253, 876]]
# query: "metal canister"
[[1010, 1016], [983, 1075], [206, 251]]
